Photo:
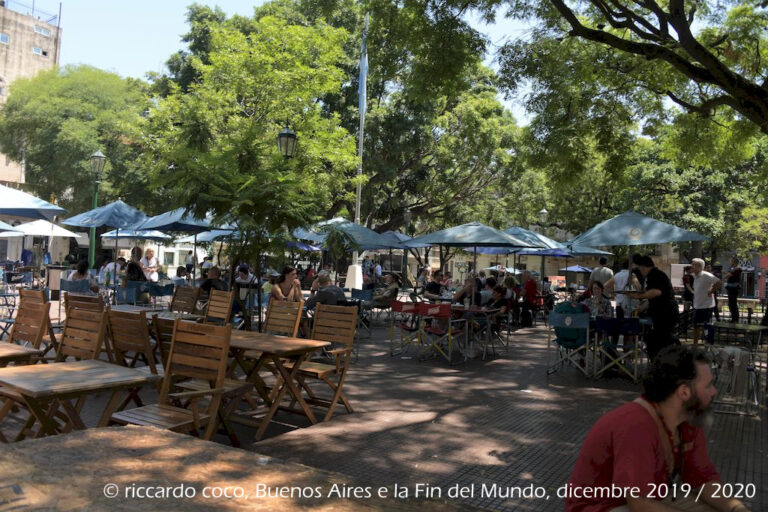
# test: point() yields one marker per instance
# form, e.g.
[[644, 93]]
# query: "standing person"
[[688, 287], [662, 307], [601, 274], [189, 262], [655, 442], [622, 281], [733, 287], [705, 285], [367, 266], [288, 286], [136, 254], [377, 272], [149, 265], [715, 310]]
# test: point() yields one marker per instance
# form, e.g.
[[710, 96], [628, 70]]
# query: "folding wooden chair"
[[32, 322], [198, 351], [607, 350], [336, 324], [38, 297], [129, 336], [80, 301], [283, 317], [185, 299], [219, 307], [162, 331]]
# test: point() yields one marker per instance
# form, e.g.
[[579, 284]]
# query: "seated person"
[[287, 287], [467, 291], [498, 301], [383, 297], [324, 292], [82, 274], [213, 281], [598, 303], [134, 272], [150, 265], [486, 294], [244, 276], [181, 276], [433, 289]]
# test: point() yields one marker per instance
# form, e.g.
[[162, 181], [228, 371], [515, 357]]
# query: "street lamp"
[[97, 167], [543, 216], [286, 142]]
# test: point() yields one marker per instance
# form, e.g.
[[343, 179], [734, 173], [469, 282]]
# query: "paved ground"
[[501, 421]]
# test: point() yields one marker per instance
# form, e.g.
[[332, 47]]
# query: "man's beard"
[[699, 415]]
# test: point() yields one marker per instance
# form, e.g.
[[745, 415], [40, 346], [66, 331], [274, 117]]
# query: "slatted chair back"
[[35, 296], [129, 333], [283, 317], [219, 307], [335, 324], [83, 334], [198, 351], [185, 299], [31, 324], [86, 302], [162, 330]]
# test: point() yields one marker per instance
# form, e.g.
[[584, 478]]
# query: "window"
[[168, 258], [39, 51], [43, 31], [4, 38]]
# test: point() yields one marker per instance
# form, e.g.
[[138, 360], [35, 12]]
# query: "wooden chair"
[[185, 299], [32, 322], [86, 302], [162, 331], [83, 335], [38, 297], [283, 317], [219, 307], [198, 351], [335, 324]]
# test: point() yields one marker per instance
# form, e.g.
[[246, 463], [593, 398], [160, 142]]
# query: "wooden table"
[[752, 334], [12, 353], [46, 388], [274, 349], [173, 315], [130, 308], [70, 473]]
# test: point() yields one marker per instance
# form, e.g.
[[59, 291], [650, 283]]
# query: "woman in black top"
[[733, 287], [662, 307]]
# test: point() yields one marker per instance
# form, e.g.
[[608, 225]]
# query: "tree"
[[57, 119], [212, 147]]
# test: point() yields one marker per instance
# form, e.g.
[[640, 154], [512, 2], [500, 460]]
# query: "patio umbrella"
[[178, 220], [632, 228], [130, 234], [577, 269], [208, 236], [38, 228], [365, 238], [473, 234], [7, 227], [303, 247], [19, 203]]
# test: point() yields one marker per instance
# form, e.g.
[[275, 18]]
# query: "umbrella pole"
[[117, 275], [194, 258], [474, 269]]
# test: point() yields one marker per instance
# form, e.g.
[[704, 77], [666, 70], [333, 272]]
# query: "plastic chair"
[[571, 334]]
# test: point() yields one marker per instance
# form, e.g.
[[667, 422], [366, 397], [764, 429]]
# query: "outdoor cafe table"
[[750, 333], [12, 353], [46, 388], [477, 311], [274, 349], [130, 308], [99, 468]]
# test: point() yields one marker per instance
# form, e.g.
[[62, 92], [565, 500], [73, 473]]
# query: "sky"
[[131, 38]]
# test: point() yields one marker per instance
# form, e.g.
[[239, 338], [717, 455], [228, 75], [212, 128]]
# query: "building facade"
[[30, 42]]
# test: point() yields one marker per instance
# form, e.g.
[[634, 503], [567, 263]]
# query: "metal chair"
[[571, 338], [607, 350]]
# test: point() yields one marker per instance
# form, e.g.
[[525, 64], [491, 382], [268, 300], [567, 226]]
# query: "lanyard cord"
[[677, 449]]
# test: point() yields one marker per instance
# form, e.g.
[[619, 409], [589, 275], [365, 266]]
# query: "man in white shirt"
[[705, 285], [600, 274]]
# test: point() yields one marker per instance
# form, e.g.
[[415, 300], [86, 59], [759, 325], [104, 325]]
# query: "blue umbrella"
[[20, 204], [114, 215], [130, 234], [303, 246], [473, 234], [365, 238], [577, 268], [209, 236], [632, 228], [7, 227], [307, 234], [176, 220]]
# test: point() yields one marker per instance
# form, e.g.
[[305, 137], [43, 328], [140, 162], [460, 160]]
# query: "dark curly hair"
[[673, 366]]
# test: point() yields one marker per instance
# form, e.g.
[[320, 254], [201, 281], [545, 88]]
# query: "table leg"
[[38, 413], [290, 383], [75, 421], [111, 407], [287, 381]]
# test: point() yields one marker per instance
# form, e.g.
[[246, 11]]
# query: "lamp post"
[[97, 167], [543, 217], [407, 228], [286, 142]]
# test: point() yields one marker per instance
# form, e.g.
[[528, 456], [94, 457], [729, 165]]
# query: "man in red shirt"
[[640, 455]]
